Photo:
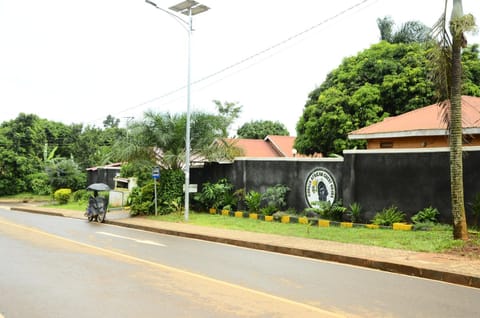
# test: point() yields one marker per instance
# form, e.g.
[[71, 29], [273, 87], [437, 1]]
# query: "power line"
[[253, 56]]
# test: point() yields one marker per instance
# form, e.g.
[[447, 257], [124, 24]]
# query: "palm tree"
[[409, 32], [159, 139], [448, 75]]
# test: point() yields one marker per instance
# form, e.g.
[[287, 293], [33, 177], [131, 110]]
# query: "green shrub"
[[253, 199], [40, 183], [141, 200], [334, 212], [355, 210], [427, 215], [268, 210], [81, 195], [388, 216], [62, 196], [170, 189], [276, 197], [216, 195]]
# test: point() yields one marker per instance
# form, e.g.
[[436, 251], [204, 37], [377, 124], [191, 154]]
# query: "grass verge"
[[437, 240]]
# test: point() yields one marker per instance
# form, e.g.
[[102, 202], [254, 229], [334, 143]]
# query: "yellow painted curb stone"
[[402, 226], [303, 220], [323, 223], [346, 224], [253, 216], [269, 218], [239, 214], [286, 219]]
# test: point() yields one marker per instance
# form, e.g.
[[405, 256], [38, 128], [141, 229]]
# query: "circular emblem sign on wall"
[[320, 186]]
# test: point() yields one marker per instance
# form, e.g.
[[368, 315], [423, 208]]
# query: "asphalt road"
[[61, 267]]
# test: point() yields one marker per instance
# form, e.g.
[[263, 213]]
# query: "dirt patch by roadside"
[[470, 248]]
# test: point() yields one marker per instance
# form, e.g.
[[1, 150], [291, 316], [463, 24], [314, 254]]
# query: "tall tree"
[[448, 76]]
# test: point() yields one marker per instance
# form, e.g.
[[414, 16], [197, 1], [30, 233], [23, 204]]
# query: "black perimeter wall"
[[410, 179]]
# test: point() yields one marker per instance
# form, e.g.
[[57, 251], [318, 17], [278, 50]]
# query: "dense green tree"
[[447, 57], [93, 146], [111, 122], [259, 129], [28, 144], [21, 150]]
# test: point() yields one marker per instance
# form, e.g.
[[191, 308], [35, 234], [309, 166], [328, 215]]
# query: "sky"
[[80, 61]]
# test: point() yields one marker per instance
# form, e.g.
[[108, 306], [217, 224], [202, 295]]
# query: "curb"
[[312, 221], [410, 270]]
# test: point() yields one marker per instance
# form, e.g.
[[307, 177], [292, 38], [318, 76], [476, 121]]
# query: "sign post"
[[155, 175]]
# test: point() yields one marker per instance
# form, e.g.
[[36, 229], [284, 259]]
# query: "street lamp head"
[[189, 7]]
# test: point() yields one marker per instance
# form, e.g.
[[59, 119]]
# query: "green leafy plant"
[[141, 200], [172, 206], [216, 195], [427, 215], [253, 199], [334, 212], [388, 216], [80, 195], [62, 196], [355, 210], [275, 197]]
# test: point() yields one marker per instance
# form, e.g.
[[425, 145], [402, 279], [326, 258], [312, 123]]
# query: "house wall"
[[410, 179], [417, 142], [104, 175]]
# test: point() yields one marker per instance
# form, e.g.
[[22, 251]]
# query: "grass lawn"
[[437, 240]]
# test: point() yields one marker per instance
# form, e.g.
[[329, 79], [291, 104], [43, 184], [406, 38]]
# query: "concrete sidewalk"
[[443, 267]]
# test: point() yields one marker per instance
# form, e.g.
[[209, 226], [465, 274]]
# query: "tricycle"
[[97, 205]]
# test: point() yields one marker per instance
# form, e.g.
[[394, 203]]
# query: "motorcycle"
[[97, 205]]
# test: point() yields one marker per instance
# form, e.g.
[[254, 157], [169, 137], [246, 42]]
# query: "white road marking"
[[132, 239]]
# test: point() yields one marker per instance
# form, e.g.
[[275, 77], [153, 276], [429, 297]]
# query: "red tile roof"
[[421, 122], [283, 145], [270, 147], [254, 147]]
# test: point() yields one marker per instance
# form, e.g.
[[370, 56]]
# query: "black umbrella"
[[99, 187]]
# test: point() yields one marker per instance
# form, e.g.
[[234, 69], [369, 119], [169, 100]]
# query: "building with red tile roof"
[[423, 127]]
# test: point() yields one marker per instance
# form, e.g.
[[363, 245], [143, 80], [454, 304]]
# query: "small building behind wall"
[[421, 128], [406, 163]]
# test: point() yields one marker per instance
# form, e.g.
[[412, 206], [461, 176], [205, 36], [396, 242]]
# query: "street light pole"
[[188, 8]]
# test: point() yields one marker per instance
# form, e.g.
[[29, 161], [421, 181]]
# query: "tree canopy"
[[260, 129], [38, 154]]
